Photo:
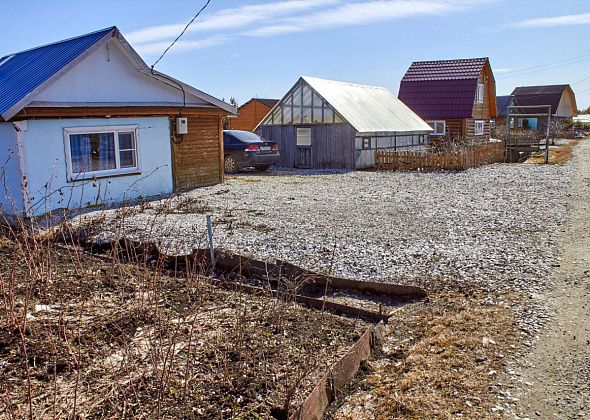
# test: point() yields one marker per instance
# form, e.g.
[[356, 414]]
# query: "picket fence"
[[456, 160]]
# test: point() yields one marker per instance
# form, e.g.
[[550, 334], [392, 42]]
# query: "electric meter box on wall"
[[182, 125]]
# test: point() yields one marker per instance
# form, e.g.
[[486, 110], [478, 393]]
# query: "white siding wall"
[[11, 197], [45, 163], [108, 76]]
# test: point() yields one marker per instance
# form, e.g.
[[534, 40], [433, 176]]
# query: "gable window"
[[100, 151], [480, 90], [492, 123], [440, 127], [479, 128]]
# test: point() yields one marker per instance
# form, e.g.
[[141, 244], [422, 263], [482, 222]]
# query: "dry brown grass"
[[435, 363], [558, 155]]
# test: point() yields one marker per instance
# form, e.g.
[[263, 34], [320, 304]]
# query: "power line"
[[182, 33], [547, 64], [543, 69]]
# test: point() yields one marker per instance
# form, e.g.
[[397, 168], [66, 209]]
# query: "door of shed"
[[304, 146]]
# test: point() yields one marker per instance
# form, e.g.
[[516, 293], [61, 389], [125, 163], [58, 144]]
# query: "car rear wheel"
[[231, 165], [261, 168]]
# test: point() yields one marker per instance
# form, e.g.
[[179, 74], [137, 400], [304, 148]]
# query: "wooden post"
[[547, 137]]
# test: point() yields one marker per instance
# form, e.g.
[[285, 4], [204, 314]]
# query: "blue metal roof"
[[23, 72]]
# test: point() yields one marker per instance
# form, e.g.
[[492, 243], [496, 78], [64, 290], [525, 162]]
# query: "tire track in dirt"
[[556, 380]]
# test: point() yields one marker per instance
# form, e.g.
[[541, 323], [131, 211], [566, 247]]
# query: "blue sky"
[[260, 48]]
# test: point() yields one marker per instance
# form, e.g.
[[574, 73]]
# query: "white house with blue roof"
[[86, 122]]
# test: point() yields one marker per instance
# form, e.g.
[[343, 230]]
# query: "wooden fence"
[[465, 158]]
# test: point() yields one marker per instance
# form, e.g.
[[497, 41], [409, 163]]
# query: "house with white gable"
[[85, 122]]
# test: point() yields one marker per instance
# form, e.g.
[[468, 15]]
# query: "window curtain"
[[106, 152], [81, 153]]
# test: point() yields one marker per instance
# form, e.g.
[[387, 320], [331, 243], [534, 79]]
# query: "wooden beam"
[[113, 112]]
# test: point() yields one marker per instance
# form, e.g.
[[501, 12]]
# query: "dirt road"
[[557, 370]]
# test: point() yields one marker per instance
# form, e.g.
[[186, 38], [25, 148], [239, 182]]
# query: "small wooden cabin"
[[251, 113], [328, 124], [456, 97]]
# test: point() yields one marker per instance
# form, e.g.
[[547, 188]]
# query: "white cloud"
[[502, 70], [227, 19], [283, 17], [566, 20], [154, 48], [360, 13]]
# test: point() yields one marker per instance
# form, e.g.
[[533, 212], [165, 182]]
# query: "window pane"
[[81, 153], [92, 152], [287, 118], [296, 115], [276, 116], [317, 115], [288, 100], [328, 115], [297, 96], [306, 96], [126, 141], [304, 137], [338, 119], [306, 115], [317, 101], [127, 158]]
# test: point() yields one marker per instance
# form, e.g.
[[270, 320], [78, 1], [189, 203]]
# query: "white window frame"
[[115, 129], [480, 93], [492, 123], [476, 124], [434, 123]]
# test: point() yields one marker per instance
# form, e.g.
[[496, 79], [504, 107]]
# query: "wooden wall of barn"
[[332, 144]]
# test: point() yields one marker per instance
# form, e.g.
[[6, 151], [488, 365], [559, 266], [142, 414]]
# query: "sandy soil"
[[556, 378]]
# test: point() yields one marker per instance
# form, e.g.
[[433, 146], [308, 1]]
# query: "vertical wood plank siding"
[[197, 158], [332, 144]]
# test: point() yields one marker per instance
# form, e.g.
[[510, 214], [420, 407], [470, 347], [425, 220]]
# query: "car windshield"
[[246, 136]]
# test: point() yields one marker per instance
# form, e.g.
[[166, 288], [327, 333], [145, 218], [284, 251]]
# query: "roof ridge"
[[452, 60], [60, 42], [345, 83]]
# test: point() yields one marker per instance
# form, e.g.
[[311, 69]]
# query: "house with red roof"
[[456, 97]]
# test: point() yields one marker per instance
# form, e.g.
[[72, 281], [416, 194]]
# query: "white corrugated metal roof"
[[369, 109]]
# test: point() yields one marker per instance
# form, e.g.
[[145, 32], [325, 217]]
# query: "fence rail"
[[465, 158]]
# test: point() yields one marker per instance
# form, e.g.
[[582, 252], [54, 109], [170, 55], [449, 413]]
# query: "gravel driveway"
[[494, 226]]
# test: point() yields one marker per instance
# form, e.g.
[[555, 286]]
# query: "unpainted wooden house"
[[85, 122], [251, 113], [456, 97], [328, 124]]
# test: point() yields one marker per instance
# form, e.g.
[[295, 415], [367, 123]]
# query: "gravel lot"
[[494, 226]]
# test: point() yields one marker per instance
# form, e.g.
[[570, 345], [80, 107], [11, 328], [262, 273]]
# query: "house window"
[[511, 122], [479, 128], [492, 124], [100, 151], [440, 127], [304, 137], [480, 90], [366, 142], [520, 123]]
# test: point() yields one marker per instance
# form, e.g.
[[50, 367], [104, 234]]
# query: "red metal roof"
[[442, 89]]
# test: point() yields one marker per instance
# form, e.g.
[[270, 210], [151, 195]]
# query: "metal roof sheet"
[[460, 69], [439, 98], [502, 103], [369, 109], [22, 72]]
